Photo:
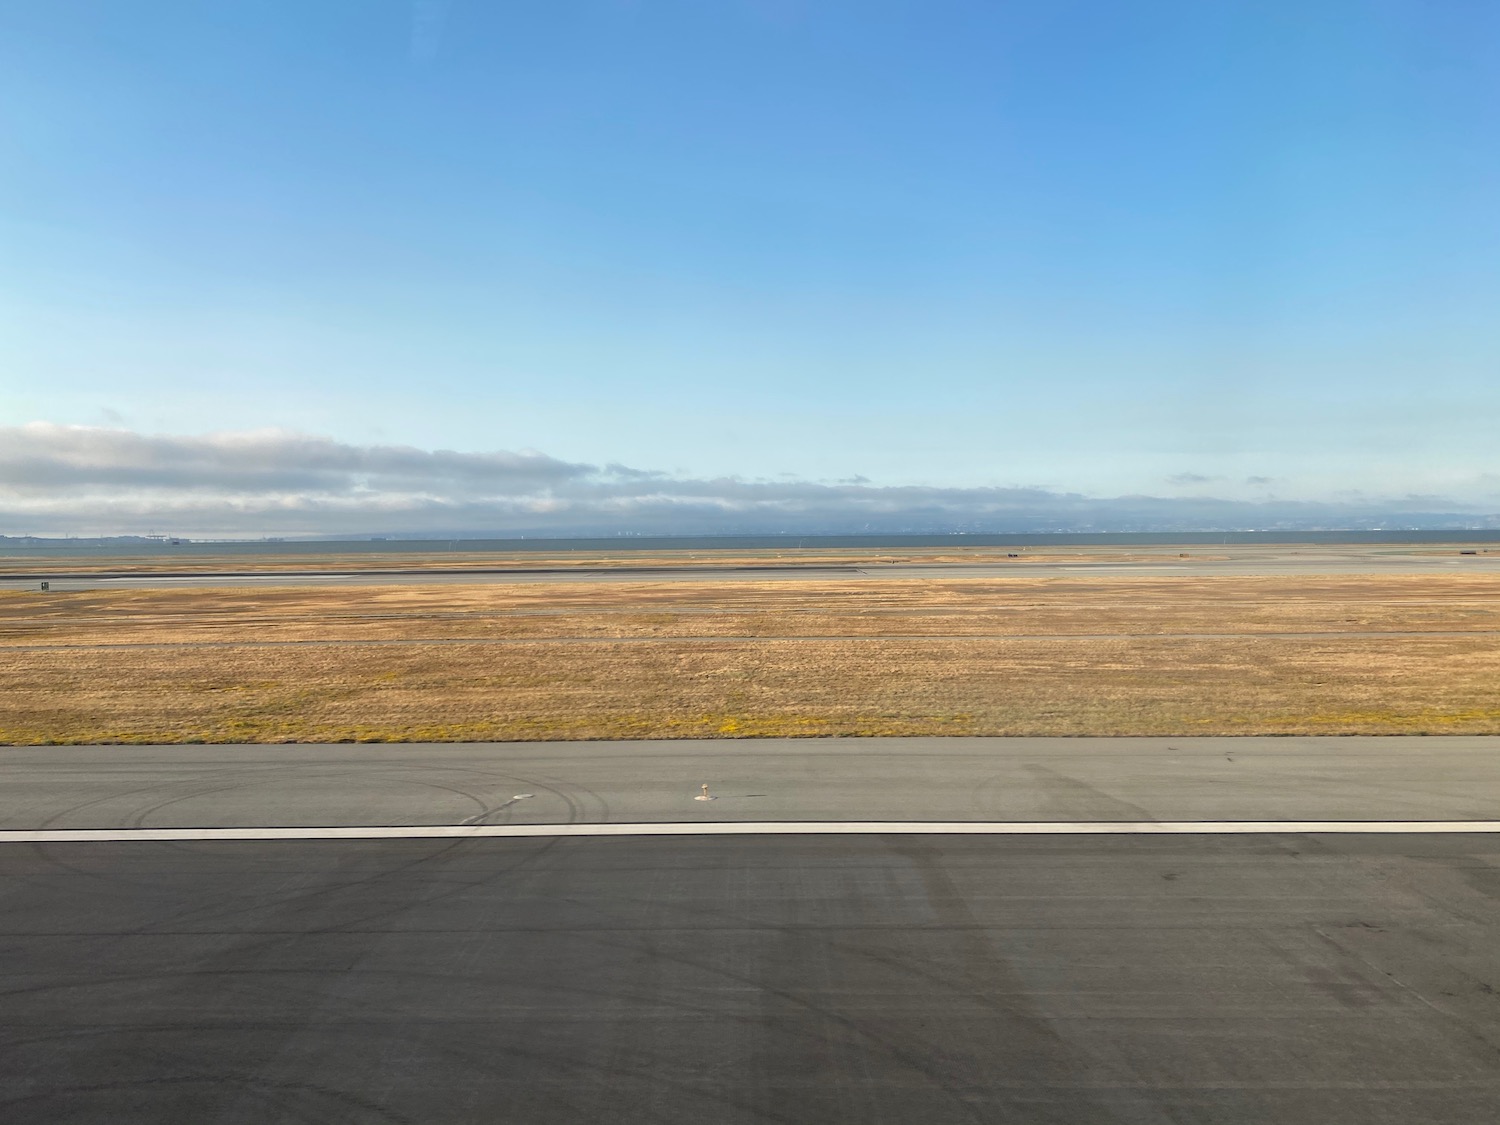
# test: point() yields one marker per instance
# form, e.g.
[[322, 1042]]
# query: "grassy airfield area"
[[1029, 655]]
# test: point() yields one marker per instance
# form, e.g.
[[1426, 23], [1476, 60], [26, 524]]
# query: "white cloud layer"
[[81, 480]]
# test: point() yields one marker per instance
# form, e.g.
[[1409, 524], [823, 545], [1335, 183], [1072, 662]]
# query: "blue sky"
[[1241, 250]]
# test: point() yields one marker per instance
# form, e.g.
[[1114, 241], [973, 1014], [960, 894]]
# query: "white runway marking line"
[[749, 828]]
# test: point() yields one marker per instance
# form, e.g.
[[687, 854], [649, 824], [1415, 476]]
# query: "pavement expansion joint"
[[747, 828]]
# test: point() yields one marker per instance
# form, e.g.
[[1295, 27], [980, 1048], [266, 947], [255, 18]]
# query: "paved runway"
[[1284, 979], [874, 978]]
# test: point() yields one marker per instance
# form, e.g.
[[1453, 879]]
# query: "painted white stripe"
[[747, 828]]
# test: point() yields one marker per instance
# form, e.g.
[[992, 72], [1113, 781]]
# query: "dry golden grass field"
[[1037, 655]]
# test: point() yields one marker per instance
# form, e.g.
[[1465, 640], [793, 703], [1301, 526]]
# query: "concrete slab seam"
[[743, 828]]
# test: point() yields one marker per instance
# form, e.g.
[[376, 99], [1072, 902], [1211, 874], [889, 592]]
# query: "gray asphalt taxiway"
[[1278, 974], [820, 779]]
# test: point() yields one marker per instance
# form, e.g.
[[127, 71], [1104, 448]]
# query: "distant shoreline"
[[128, 545]]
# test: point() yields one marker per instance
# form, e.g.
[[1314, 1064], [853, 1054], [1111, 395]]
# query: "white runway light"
[[704, 795], [751, 828]]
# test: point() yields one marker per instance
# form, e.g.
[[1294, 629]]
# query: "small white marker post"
[[704, 796]]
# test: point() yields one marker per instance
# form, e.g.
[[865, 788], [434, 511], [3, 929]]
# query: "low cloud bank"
[[78, 480]]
